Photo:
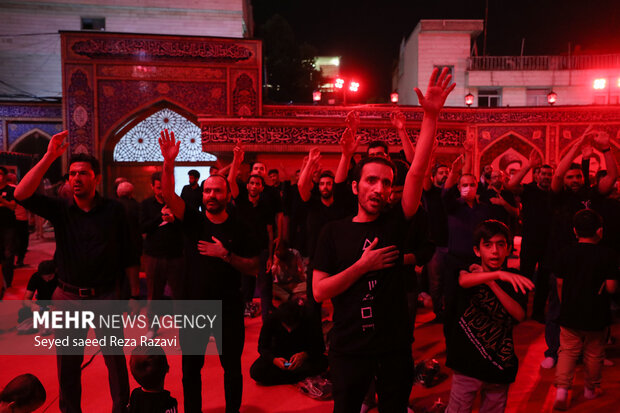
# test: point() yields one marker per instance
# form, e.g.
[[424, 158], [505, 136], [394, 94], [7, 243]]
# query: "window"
[[93, 23], [141, 144], [537, 97], [489, 98]]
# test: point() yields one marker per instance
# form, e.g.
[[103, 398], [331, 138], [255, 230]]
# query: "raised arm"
[[348, 144], [304, 185], [170, 149], [238, 154], [455, 172], [438, 90], [398, 120], [534, 161], [602, 143], [30, 182]]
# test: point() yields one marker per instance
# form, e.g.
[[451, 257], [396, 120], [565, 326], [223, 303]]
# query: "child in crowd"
[[586, 274], [41, 285], [149, 367], [491, 300], [23, 394]]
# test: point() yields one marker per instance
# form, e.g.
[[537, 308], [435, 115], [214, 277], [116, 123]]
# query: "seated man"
[[290, 348], [289, 273]]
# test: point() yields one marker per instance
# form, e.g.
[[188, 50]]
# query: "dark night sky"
[[367, 34]]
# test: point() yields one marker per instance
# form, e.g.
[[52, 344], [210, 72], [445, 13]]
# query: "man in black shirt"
[[7, 228], [192, 193], [93, 254], [503, 205], [536, 217], [218, 250], [358, 265]]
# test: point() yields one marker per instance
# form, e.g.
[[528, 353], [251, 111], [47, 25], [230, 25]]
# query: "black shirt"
[[438, 219], [479, 340], [192, 197], [162, 239], [498, 212], [276, 341], [370, 317], [152, 402], [257, 217], [43, 289], [584, 269], [536, 215], [132, 209], [211, 278], [92, 248], [7, 215]]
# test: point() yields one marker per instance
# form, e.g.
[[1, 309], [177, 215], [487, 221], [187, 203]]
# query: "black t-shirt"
[[152, 402], [211, 278], [479, 340], [498, 212], [535, 215], [438, 219], [192, 197], [7, 215], [370, 317], [162, 239], [584, 269], [44, 289], [257, 217]]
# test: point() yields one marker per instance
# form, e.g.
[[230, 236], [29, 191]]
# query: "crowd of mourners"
[[375, 236]]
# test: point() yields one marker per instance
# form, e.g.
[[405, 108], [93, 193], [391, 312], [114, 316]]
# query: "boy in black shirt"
[[149, 367], [586, 274], [479, 342]]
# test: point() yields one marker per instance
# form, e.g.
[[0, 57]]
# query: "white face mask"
[[467, 192]]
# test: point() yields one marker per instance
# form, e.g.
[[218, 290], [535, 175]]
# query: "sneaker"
[[548, 363], [592, 393], [561, 399]]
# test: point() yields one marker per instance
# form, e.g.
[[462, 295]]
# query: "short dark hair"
[[202, 185], [3, 170], [194, 173], [24, 390], [255, 162], [273, 171], [574, 166], [490, 228], [257, 177], [472, 175], [378, 144], [546, 166], [290, 313], [586, 222], [327, 174], [436, 167], [149, 366], [357, 172], [402, 168], [84, 157], [155, 176]]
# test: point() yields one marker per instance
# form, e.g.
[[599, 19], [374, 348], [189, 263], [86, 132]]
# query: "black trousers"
[[264, 372], [531, 257], [230, 349], [22, 239], [351, 377]]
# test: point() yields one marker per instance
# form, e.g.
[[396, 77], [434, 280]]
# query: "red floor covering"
[[532, 392]]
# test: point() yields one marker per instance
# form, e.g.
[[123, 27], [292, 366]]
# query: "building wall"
[[408, 70], [32, 63]]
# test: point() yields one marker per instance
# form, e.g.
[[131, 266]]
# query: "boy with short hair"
[[149, 367], [491, 300], [586, 274]]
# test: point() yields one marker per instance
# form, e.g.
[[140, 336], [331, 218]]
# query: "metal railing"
[[607, 61]]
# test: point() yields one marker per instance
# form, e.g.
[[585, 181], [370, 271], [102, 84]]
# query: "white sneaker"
[[548, 363]]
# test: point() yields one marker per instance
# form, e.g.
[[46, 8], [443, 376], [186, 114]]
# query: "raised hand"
[[314, 156], [377, 259], [212, 249], [398, 119], [352, 121], [169, 146], [587, 150], [519, 282], [57, 145], [458, 163], [166, 214], [349, 142], [468, 143], [238, 153], [535, 159], [438, 90], [601, 141]]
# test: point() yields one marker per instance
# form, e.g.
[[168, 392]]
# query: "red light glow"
[[552, 97], [600, 84], [316, 96], [354, 86], [469, 99], [339, 83], [394, 97]]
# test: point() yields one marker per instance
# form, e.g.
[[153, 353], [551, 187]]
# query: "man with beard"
[[253, 209], [192, 193], [570, 195], [438, 228], [536, 217], [93, 254], [218, 250], [358, 265]]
